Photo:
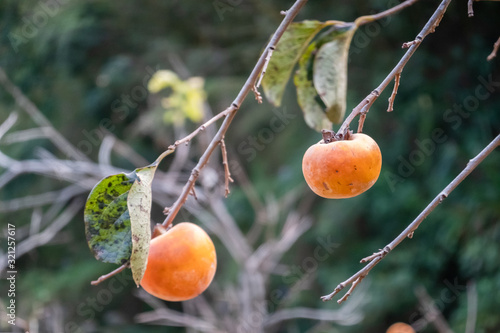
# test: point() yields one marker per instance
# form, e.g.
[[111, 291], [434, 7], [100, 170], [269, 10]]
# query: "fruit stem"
[[328, 136], [158, 230]]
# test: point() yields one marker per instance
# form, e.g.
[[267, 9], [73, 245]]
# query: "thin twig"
[[470, 9], [493, 53], [227, 172], [354, 285], [57, 138], [470, 326], [370, 18], [264, 69], [361, 122], [171, 317], [258, 96], [202, 127], [432, 313], [104, 155], [346, 318], [8, 123], [193, 193], [375, 258], [231, 111], [365, 105], [125, 150], [45, 198], [48, 234], [394, 92], [110, 274]]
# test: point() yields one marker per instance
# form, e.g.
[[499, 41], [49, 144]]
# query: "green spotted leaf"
[[107, 219], [117, 218], [139, 206], [330, 71], [288, 51]]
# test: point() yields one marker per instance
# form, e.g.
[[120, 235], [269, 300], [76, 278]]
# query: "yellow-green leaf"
[[288, 51], [139, 207], [330, 71], [307, 96], [162, 79]]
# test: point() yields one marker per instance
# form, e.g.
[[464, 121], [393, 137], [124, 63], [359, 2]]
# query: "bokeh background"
[[78, 65]]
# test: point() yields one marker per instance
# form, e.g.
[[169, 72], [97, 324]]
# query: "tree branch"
[[493, 53], [470, 8], [470, 326], [230, 112], [227, 172], [375, 258], [57, 138], [432, 313], [394, 92], [171, 317], [370, 18], [110, 274], [364, 106]]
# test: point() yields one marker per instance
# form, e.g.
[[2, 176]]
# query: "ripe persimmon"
[[181, 263], [400, 328], [342, 168]]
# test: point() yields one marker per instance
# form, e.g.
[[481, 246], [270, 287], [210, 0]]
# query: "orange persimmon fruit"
[[181, 263], [342, 168], [400, 328]]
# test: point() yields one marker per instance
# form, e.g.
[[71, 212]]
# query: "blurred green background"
[[79, 61]]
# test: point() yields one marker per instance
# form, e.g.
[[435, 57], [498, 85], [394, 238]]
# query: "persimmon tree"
[[311, 54], [320, 49]]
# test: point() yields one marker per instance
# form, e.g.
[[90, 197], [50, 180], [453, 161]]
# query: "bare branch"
[[432, 313], [28, 134], [394, 92], [266, 257], [338, 316], [227, 172], [8, 123], [268, 59], [170, 317], [104, 156], [493, 53], [470, 9], [470, 326], [354, 285], [45, 198], [231, 111], [57, 138], [377, 257], [370, 18], [230, 229], [361, 122], [44, 237], [365, 105], [126, 151], [110, 274]]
